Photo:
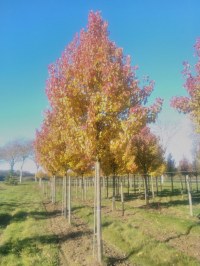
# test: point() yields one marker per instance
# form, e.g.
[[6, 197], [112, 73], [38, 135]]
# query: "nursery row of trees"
[[98, 116]]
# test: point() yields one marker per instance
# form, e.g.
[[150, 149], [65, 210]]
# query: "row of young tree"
[[98, 116]]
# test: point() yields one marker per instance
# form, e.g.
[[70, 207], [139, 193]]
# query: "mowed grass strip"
[[144, 233], [24, 235]]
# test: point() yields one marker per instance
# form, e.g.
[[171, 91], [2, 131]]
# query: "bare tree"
[[25, 149], [33, 158], [16, 151], [166, 131], [10, 154]]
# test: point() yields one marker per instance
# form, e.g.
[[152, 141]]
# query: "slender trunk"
[[40, 182], [82, 188], [161, 177], [69, 200], [157, 185], [185, 183], [107, 187], [99, 231], [197, 186], [76, 188], [95, 203], [65, 197], [122, 199], [85, 189], [54, 190], [189, 195], [172, 183], [128, 185], [134, 183], [146, 190], [152, 187], [21, 172], [181, 183], [113, 197]]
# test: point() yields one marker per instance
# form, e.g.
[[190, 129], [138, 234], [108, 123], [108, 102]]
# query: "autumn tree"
[[191, 103], [148, 154], [93, 90], [184, 166]]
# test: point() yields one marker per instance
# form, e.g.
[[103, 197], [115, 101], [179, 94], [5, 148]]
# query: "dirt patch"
[[75, 242]]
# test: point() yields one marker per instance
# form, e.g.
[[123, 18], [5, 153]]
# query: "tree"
[[148, 154], [25, 148], [10, 153], [170, 164], [184, 166], [191, 103], [94, 93]]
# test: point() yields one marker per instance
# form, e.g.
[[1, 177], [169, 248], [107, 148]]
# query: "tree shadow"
[[112, 261], [5, 219], [16, 246]]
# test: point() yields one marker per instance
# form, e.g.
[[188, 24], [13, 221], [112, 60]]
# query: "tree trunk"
[[157, 185], [99, 231], [172, 183], [128, 185], [95, 205], [146, 190], [69, 200], [197, 186], [65, 197], [152, 187], [189, 195], [76, 188], [54, 189], [107, 187], [113, 197], [82, 188], [122, 199]]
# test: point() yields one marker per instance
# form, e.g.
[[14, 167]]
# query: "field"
[[33, 232]]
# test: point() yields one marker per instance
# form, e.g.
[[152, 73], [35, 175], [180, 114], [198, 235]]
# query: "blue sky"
[[158, 35]]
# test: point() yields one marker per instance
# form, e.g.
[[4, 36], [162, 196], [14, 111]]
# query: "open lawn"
[[24, 237]]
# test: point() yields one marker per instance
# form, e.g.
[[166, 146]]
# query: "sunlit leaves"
[[191, 104]]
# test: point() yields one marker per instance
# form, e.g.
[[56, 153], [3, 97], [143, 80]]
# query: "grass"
[[24, 235], [144, 234]]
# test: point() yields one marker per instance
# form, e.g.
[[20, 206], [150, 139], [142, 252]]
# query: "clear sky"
[[158, 35]]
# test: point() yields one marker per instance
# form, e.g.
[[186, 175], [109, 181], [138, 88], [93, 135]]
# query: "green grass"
[[145, 233], [24, 235]]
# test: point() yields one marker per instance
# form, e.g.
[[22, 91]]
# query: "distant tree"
[[148, 154], [15, 151], [185, 166], [25, 149], [10, 154], [170, 164]]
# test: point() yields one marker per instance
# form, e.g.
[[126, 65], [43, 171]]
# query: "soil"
[[76, 241]]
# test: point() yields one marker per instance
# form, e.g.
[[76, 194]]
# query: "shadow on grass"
[[111, 261], [5, 219], [34, 244], [75, 208], [31, 244]]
